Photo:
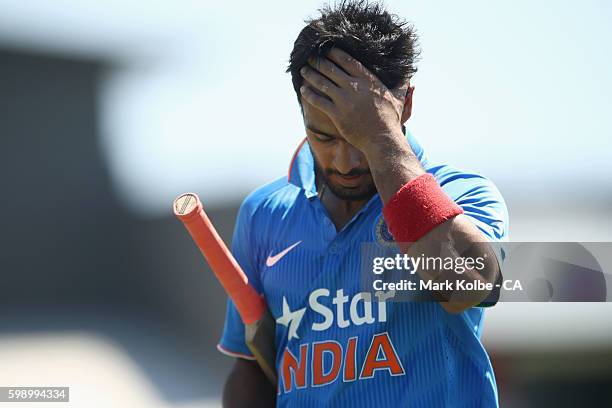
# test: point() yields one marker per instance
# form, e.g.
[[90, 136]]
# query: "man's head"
[[385, 45]]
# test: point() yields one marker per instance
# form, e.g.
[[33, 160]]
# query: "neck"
[[340, 210]]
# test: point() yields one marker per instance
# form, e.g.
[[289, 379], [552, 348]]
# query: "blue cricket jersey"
[[337, 345]]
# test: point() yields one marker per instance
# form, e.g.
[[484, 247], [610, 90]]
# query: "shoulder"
[[459, 184], [477, 195], [278, 194]]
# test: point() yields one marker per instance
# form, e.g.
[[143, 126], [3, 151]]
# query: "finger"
[[318, 101], [319, 82], [330, 70], [349, 64]]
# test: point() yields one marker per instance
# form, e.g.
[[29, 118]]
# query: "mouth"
[[349, 181]]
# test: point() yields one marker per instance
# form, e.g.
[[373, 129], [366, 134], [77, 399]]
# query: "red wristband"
[[418, 207]]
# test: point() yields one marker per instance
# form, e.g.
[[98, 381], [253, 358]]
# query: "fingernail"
[[302, 89], [303, 70]]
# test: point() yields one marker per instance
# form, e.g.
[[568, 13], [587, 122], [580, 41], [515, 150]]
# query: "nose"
[[347, 157]]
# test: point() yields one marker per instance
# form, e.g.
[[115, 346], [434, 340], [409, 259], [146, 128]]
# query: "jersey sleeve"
[[484, 205], [232, 340], [481, 201]]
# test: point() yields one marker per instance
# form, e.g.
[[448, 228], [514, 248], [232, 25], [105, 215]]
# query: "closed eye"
[[323, 138], [320, 136]]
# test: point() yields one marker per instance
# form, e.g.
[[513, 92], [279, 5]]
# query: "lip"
[[351, 182]]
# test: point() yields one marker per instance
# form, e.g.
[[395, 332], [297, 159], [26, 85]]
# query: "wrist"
[[382, 147], [392, 163]]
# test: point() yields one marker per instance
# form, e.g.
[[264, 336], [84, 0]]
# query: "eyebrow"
[[319, 132]]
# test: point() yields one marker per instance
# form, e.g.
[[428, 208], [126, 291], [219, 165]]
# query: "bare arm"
[[393, 164], [247, 386]]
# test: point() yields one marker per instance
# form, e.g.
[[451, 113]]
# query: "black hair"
[[381, 41]]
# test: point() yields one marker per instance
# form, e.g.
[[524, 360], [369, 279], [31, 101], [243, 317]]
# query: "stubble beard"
[[362, 192]]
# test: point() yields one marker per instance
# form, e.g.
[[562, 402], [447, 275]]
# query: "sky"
[[197, 98]]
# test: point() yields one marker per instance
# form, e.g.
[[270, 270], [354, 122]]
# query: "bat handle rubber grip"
[[250, 304]]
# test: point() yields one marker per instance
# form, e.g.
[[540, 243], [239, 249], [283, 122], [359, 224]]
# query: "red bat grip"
[[249, 303]]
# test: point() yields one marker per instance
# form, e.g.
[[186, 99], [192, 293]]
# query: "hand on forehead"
[[343, 69], [355, 100]]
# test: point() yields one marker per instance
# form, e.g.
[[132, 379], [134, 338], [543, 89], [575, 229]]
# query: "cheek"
[[325, 159], [323, 153]]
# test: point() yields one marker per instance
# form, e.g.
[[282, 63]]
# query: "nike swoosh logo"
[[274, 259]]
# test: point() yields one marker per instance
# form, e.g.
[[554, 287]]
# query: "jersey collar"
[[301, 169]]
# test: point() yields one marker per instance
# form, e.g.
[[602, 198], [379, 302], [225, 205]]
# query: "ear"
[[407, 112]]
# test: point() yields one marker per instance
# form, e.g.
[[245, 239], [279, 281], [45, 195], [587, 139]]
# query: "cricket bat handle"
[[250, 304]]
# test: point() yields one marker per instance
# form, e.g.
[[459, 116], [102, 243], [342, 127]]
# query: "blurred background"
[[109, 110]]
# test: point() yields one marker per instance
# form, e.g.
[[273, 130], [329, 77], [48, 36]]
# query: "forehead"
[[314, 118]]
